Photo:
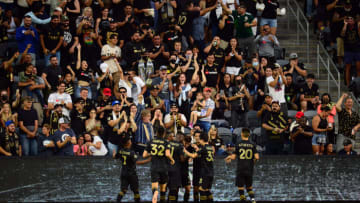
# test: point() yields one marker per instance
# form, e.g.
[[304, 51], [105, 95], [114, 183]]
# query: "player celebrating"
[[128, 170], [246, 151], [206, 154], [185, 180], [174, 170], [159, 151]]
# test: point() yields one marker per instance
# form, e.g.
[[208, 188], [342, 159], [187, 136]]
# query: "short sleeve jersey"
[[157, 148], [245, 152]]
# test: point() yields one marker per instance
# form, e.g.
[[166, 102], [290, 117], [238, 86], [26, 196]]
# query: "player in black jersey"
[[159, 151], [206, 154], [247, 156], [176, 151], [196, 165], [128, 176], [184, 166]]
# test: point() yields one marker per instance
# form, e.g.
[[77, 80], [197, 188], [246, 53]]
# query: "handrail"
[[327, 63], [355, 102], [300, 17]]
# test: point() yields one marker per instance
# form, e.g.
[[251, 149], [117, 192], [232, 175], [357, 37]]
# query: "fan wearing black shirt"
[[206, 154], [212, 72], [104, 38], [214, 49], [309, 92], [158, 150], [78, 117], [133, 50], [128, 175], [68, 45], [248, 155]]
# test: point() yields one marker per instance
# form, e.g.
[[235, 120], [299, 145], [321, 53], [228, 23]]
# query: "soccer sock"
[[186, 196], [203, 196], [172, 196], [162, 196], [196, 196], [209, 196], [250, 192], [121, 195], [136, 196], [242, 195]]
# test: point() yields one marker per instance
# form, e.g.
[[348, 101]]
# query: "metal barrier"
[[294, 8], [324, 58]]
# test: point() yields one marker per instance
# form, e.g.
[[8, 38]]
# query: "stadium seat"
[[258, 137], [310, 114], [186, 131], [237, 131], [282, 62], [224, 131], [291, 114], [227, 139], [220, 123], [254, 121]]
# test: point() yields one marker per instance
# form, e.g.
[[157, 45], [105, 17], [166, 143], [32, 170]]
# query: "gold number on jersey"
[[172, 151], [210, 156], [124, 159], [157, 150], [245, 154]]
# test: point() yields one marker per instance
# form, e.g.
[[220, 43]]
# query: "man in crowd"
[[309, 92], [52, 74], [28, 123], [9, 141], [296, 69], [26, 35], [60, 97], [64, 138], [175, 121]]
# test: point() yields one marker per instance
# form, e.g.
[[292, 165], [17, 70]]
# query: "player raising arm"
[[247, 156]]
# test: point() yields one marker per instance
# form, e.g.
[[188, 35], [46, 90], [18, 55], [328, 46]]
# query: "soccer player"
[[184, 165], [176, 151], [247, 156], [128, 177], [206, 154], [159, 151]]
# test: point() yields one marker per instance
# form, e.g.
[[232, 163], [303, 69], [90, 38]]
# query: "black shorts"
[[174, 180], [159, 177], [185, 180], [206, 182], [131, 180], [243, 179], [196, 179]]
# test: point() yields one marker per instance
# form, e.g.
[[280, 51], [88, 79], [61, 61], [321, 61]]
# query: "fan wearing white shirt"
[[276, 84], [60, 97], [109, 52]]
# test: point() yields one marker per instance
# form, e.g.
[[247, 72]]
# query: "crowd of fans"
[[337, 23], [77, 77]]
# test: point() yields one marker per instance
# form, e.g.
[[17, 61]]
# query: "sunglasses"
[[122, 92]]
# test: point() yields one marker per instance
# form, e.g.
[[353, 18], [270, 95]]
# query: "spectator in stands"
[[250, 77], [275, 124], [88, 103], [276, 84], [183, 93], [27, 36], [97, 147], [290, 92], [28, 123], [7, 115], [165, 85], [67, 50], [347, 148], [166, 11], [52, 74], [239, 103], [69, 80], [133, 50], [301, 134], [55, 115], [296, 69], [212, 73], [46, 142], [268, 16], [349, 121], [216, 141], [113, 124], [175, 121], [265, 107], [9, 141], [351, 35], [266, 43], [51, 39], [84, 75], [127, 21], [78, 117], [309, 92], [226, 28], [87, 14], [204, 120], [145, 131], [214, 49], [109, 52], [128, 126], [233, 58], [243, 24], [60, 97], [64, 138], [326, 101], [80, 149], [321, 127], [30, 83], [154, 102], [93, 125]]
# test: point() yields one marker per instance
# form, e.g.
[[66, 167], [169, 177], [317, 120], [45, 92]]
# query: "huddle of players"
[[169, 158]]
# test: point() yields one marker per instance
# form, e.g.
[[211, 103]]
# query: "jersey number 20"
[[245, 154]]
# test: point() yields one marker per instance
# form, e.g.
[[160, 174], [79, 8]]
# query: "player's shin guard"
[[136, 196], [187, 196], [162, 197], [242, 195], [209, 196], [203, 196], [120, 195], [251, 193], [172, 196]]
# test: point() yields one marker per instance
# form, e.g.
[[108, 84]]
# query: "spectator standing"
[[78, 117], [175, 121], [69, 44], [266, 43], [52, 74], [301, 135], [268, 16], [60, 98], [104, 37], [309, 92], [65, 138], [154, 102], [30, 83], [46, 142], [9, 141], [326, 101], [320, 127], [84, 75], [296, 69], [291, 92], [80, 149], [276, 84], [204, 120], [144, 133], [233, 58], [347, 148], [239, 104], [113, 125], [26, 35], [28, 123], [349, 121], [133, 50], [51, 39], [110, 52]]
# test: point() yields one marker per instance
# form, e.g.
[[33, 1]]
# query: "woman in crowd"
[[84, 75], [7, 115], [216, 141], [182, 94], [321, 128], [80, 149], [92, 125], [103, 23], [87, 14]]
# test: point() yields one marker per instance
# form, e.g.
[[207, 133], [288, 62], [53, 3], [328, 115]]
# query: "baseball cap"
[[115, 102], [267, 95], [299, 114], [163, 67], [112, 20], [58, 9], [126, 73], [293, 56], [64, 120], [9, 122], [154, 87], [207, 89], [64, 18], [174, 104], [310, 75], [104, 67], [107, 92], [347, 142]]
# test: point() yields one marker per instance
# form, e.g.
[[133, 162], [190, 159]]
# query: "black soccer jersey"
[[245, 152], [206, 154], [157, 148], [128, 158], [176, 150]]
